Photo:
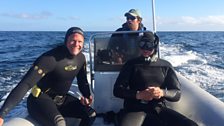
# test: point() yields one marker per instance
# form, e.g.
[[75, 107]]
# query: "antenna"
[[154, 23], [153, 16]]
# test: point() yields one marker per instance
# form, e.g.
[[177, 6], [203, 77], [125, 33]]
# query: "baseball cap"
[[133, 12]]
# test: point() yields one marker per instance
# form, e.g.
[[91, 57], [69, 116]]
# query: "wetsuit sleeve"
[[34, 74], [83, 82], [121, 86], [172, 91]]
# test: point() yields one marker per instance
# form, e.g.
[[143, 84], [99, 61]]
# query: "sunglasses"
[[131, 17], [146, 45]]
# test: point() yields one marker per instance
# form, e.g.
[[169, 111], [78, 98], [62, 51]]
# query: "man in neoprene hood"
[[50, 78]]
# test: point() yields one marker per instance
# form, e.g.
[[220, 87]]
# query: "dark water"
[[199, 56]]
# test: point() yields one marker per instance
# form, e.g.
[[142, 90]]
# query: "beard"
[[133, 27]]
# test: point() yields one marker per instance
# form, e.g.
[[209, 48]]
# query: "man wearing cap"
[[125, 44], [50, 78], [133, 21], [145, 83]]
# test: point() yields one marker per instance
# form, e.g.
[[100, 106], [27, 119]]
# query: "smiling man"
[[50, 78]]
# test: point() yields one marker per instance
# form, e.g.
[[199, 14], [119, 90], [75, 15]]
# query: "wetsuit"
[[138, 74], [53, 72]]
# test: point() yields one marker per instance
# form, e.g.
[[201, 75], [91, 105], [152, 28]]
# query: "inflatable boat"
[[195, 103]]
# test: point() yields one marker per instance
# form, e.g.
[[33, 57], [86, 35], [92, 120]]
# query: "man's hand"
[[150, 93], [144, 95], [86, 101], [156, 92], [1, 121]]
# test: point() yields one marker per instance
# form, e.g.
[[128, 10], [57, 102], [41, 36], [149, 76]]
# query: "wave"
[[197, 67]]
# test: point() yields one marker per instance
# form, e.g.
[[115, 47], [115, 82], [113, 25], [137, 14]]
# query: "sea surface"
[[199, 56]]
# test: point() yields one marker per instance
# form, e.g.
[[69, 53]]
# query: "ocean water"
[[199, 56]]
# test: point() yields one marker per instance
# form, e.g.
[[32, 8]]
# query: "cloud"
[[41, 15], [192, 21], [189, 20], [209, 20], [215, 20]]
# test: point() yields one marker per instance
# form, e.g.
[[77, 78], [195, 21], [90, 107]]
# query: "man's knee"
[[89, 118], [59, 120], [91, 113], [192, 123], [133, 118]]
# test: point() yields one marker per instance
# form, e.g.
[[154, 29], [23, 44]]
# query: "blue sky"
[[96, 15]]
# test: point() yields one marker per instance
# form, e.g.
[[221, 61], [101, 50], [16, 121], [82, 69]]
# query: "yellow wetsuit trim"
[[36, 91]]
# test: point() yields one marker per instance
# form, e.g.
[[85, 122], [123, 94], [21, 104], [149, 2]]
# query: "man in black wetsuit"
[[50, 78], [145, 83], [123, 45]]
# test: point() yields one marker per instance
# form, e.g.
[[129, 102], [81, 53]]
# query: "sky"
[[108, 15]]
